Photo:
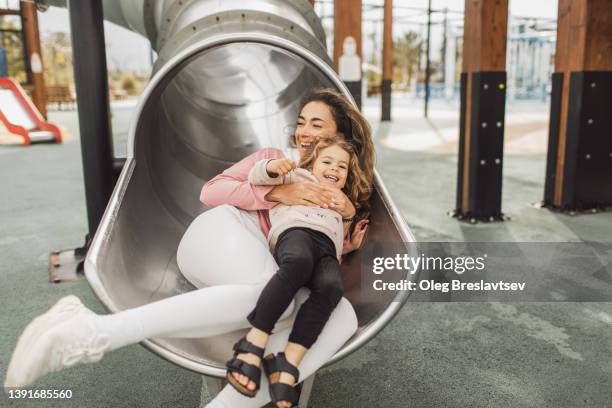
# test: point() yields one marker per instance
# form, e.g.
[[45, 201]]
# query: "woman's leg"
[[191, 314], [341, 325], [226, 265], [225, 246]]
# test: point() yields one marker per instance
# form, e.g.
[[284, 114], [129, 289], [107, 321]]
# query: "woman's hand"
[[340, 202], [356, 239], [304, 193], [279, 167]]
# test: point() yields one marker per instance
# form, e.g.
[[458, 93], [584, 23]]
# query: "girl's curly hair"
[[357, 187]]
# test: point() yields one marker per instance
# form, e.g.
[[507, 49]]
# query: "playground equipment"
[[228, 81], [20, 116]]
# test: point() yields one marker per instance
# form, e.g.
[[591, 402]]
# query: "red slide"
[[21, 117]]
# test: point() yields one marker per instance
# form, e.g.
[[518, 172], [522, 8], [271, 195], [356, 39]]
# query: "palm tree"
[[406, 57]]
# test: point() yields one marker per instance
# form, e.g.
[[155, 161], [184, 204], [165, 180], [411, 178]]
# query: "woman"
[[69, 333]]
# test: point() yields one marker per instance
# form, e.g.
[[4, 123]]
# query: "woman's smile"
[[315, 122]]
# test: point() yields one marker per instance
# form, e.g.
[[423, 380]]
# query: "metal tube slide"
[[228, 81]]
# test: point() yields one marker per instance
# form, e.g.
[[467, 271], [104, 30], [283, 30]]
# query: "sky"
[[129, 51], [125, 50]]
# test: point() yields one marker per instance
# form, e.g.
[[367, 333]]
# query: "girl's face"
[[331, 166], [315, 122]]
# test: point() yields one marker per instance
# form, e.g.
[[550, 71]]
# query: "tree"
[[57, 59], [405, 58], [13, 46]]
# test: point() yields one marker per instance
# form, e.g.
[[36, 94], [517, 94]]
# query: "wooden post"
[[347, 23], [483, 95], [29, 20], [579, 161], [387, 61]]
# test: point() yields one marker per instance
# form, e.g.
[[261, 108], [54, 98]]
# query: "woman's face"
[[314, 122]]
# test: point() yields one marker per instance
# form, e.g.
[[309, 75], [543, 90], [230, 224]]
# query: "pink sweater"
[[232, 187]]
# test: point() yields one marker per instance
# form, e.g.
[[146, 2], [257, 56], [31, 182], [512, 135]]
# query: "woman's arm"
[[232, 186], [314, 195]]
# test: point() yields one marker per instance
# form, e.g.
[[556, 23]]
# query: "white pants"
[[224, 250]]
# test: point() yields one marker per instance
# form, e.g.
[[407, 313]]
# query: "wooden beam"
[[9, 12], [485, 33], [584, 43], [387, 57], [483, 84], [29, 18], [347, 22]]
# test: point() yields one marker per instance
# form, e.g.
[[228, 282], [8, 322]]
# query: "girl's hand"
[[279, 167], [304, 193], [357, 237], [339, 202]]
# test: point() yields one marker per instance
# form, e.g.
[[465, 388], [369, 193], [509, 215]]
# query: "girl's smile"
[[331, 167]]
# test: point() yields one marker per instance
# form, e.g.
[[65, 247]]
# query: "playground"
[[439, 181], [432, 354]]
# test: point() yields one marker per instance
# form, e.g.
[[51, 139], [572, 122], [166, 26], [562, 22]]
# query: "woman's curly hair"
[[356, 129]]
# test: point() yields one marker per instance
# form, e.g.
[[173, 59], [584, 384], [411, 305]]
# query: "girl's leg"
[[326, 291], [295, 253], [341, 325]]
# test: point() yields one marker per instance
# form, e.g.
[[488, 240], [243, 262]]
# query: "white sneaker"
[[58, 339]]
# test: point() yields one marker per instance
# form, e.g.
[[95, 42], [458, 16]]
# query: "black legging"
[[305, 258]]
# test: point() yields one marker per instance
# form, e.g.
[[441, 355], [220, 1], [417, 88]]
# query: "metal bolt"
[[484, 124], [611, 154], [497, 161], [491, 219], [498, 124], [590, 121], [486, 86], [588, 156], [593, 84], [483, 162]]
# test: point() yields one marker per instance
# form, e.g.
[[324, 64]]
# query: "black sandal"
[[235, 365], [281, 391]]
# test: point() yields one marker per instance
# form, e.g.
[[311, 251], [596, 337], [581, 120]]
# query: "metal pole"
[[427, 62], [444, 44], [90, 76]]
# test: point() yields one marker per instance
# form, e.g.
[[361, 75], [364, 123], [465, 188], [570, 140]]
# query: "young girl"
[[307, 243]]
